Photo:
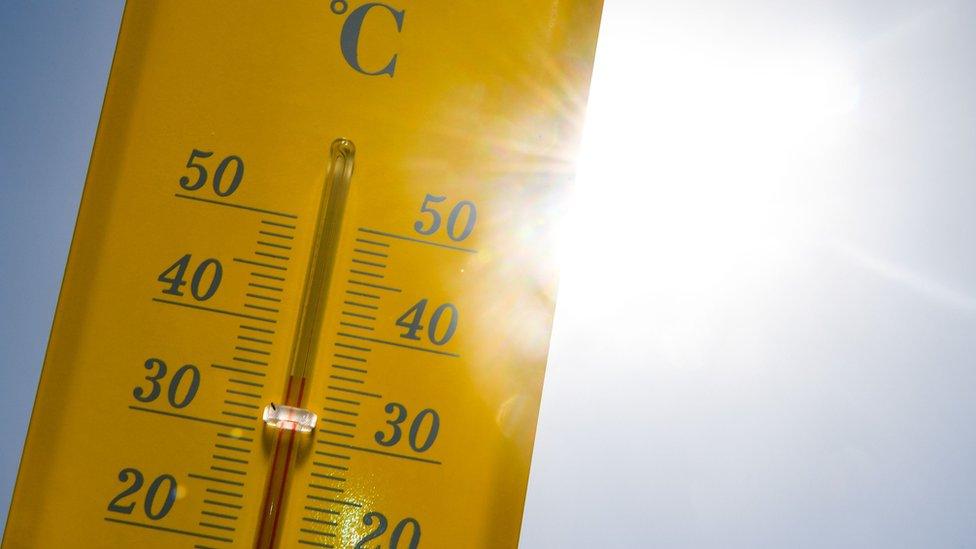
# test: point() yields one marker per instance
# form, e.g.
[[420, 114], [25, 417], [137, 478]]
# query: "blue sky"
[[54, 62]]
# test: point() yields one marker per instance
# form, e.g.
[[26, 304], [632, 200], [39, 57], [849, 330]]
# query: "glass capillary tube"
[[308, 331]]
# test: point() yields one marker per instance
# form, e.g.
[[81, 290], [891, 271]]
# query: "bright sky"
[[764, 335]]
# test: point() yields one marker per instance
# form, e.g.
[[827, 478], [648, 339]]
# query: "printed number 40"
[[411, 320], [175, 273]]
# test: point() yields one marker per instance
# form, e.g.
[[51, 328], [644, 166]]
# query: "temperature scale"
[[310, 289]]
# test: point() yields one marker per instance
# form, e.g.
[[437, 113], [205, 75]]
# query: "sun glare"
[[681, 192]]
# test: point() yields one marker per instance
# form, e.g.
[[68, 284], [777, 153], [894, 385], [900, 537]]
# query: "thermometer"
[[311, 284]]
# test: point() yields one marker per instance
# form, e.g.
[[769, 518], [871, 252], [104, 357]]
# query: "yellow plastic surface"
[[485, 106]]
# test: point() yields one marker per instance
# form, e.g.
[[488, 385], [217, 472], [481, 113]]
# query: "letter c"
[[349, 37]]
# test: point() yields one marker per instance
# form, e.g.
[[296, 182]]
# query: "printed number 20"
[[398, 531], [166, 483]]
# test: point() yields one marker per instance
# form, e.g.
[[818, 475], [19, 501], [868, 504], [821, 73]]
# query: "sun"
[[682, 194]]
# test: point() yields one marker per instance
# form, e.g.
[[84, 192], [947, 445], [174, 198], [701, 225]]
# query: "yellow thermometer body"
[[309, 294]]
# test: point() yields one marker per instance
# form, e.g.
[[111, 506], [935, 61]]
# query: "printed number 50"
[[455, 230]]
